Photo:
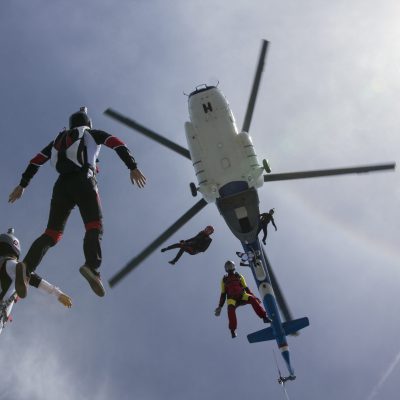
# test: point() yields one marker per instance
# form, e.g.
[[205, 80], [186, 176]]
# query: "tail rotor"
[[283, 379]]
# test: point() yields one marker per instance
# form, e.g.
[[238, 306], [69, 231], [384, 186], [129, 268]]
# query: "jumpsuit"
[[194, 245], [265, 219], [235, 290], [74, 154]]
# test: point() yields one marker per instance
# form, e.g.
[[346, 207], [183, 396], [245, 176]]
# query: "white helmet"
[[12, 241], [229, 266]]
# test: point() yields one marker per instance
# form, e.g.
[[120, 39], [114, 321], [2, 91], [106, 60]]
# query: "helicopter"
[[229, 174]]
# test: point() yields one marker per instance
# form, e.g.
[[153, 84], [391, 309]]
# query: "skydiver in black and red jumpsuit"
[[194, 245], [74, 154]]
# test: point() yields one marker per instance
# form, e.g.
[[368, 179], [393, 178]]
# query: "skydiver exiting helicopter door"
[[265, 219]]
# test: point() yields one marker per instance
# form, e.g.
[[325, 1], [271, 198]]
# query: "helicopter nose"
[[201, 88], [207, 100]]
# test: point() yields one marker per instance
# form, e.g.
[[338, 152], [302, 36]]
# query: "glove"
[[217, 311], [65, 300]]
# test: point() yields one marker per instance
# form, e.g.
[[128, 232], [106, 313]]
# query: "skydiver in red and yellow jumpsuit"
[[234, 288]]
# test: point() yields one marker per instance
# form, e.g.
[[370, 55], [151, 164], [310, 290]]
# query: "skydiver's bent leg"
[[39, 248], [173, 246], [258, 309], [60, 209], [178, 256], [32, 259]]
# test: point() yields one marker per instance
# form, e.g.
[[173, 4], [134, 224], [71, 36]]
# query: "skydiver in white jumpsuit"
[[10, 251]]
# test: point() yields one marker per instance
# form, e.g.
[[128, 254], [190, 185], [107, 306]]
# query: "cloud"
[[37, 370]]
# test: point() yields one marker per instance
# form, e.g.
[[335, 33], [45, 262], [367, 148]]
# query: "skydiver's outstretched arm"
[[111, 141], [42, 157], [273, 223], [137, 177], [247, 289], [16, 194], [46, 287], [222, 299]]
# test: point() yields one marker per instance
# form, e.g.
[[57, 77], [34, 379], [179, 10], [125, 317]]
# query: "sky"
[[328, 98]]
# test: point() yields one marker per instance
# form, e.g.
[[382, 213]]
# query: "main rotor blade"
[[147, 132], [254, 90], [328, 172], [277, 290], [157, 242]]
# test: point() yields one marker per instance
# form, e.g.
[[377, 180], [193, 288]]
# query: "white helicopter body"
[[219, 152]]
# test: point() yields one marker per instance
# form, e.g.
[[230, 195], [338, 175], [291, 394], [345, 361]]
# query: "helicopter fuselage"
[[220, 154], [229, 174]]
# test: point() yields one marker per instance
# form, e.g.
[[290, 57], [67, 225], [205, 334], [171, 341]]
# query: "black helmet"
[[229, 266], [271, 211], [80, 118], [209, 228]]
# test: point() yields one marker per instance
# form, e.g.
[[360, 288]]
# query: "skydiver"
[[194, 245], [74, 154], [235, 289], [10, 251], [265, 219]]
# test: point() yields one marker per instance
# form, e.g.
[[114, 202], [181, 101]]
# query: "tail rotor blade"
[[157, 242], [147, 132], [329, 172], [254, 90]]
